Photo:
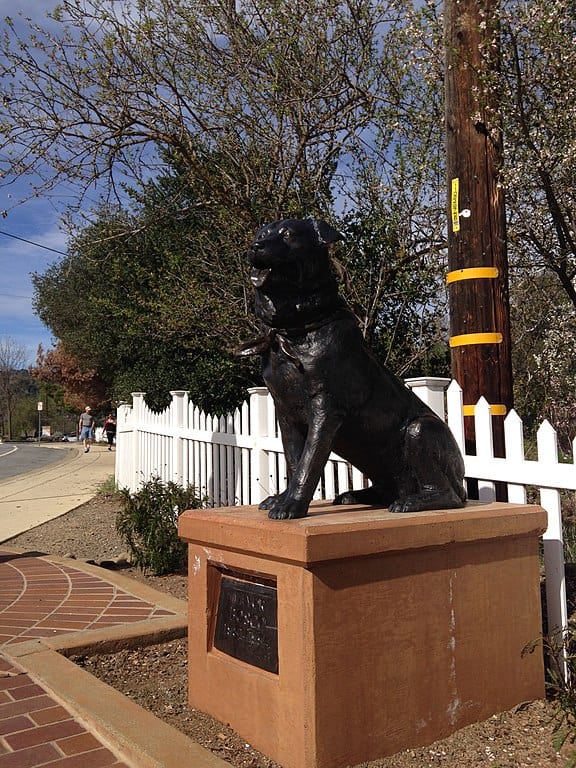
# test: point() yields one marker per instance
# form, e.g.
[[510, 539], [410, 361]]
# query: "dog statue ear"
[[325, 233]]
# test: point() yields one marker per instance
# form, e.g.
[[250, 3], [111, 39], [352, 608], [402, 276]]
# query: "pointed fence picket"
[[514, 445], [239, 459], [484, 446]]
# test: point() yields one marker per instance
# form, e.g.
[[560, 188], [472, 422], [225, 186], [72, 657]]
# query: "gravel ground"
[[520, 738]]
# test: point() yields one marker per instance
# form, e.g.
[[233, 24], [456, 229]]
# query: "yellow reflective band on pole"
[[495, 410], [475, 338], [471, 273], [455, 205]]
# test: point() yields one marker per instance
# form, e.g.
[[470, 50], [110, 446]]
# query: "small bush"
[[569, 538], [148, 523], [108, 487]]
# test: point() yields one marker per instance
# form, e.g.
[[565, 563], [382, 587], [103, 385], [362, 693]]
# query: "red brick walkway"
[[35, 730], [41, 599]]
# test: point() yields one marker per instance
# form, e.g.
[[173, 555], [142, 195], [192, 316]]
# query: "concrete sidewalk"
[[36, 497]]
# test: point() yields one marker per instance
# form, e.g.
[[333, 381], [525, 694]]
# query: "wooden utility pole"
[[477, 258]]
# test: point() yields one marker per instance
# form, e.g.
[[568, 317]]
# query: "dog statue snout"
[[256, 249]]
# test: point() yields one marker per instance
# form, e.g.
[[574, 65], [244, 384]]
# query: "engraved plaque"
[[246, 622]]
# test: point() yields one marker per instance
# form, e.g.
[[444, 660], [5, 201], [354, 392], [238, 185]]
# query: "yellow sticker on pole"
[[454, 205]]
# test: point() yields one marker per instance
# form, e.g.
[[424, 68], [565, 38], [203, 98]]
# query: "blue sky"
[[37, 221]]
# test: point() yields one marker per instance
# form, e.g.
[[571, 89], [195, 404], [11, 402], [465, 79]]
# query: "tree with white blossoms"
[[538, 95], [557, 370], [538, 100], [545, 337]]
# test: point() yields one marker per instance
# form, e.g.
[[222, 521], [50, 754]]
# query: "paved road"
[[21, 458], [67, 478]]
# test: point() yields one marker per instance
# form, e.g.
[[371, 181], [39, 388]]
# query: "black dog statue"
[[331, 394]]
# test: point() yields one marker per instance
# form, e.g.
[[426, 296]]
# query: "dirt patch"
[[156, 677]]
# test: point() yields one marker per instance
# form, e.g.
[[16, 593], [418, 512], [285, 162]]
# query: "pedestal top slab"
[[332, 533]]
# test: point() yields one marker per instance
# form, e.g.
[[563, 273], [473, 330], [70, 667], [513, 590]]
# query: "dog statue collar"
[[268, 340], [279, 338]]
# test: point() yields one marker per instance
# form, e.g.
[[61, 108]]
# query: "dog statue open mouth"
[[330, 392], [258, 277]]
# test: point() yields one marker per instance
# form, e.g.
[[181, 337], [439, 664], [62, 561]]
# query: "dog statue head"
[[290, 249], [291, 271]]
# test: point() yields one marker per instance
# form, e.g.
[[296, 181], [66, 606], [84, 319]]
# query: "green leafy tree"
[[154, 304], [396, 292], [25, 418], [162, 307]]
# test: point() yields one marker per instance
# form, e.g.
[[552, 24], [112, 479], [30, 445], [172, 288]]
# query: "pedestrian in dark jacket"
[[110, 430]]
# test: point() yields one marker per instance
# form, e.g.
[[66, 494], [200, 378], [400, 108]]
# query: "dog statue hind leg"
[[429, 473], [432, 469], [375, 495]]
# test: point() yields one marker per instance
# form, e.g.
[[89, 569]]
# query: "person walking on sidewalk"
[[110, 430], [86, 424]]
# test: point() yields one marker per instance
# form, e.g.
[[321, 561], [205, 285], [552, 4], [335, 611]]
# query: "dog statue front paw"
[[282, 507], [269, 501]]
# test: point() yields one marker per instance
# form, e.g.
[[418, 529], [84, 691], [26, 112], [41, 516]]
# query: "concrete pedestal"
[[392, 630]]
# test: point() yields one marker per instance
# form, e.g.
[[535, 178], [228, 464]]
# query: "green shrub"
[[148, 524], [108, 487], [569, 537]]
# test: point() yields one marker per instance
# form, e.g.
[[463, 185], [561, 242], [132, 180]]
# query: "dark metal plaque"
[[246, 622]]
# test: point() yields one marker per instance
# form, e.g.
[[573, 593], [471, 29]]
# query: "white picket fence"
[[238, 459]]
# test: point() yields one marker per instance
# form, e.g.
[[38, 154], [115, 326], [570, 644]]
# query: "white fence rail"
[[238, 459], [233, 459]]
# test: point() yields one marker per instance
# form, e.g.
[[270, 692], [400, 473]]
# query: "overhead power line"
[[15, 296], [31, 242]]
